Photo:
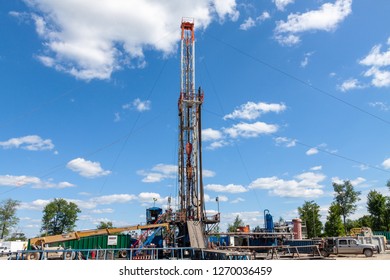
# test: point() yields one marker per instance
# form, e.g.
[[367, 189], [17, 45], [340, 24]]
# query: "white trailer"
[[7, 247]]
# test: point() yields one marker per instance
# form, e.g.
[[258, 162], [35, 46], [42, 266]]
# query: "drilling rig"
[[191, 217]]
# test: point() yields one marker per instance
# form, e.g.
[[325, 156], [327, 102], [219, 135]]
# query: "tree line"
[[343, 206], [60, 216]]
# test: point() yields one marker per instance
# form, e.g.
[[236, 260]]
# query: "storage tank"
[[297, 228], [269, 221]]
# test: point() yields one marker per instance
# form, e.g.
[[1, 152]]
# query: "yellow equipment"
[[41, 241]]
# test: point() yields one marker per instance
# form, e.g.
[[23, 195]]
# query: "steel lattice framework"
[[191, 205]]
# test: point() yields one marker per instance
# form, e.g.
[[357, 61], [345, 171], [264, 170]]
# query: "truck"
[[345, 245], [8, 247]]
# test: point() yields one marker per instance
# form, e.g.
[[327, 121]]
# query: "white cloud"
[[383, 106], [247, 24], [149, 197], [226, 8], [386, 164], [355, 182], [248, 130], [91, 39], [376, 57], [221, 198], [281, 4], [305, 185], [381, 78], [284, 141], [208, 173], [231, 188], [217, 144], [161, 172], [103, 211], [37, 183], [138, 105], [165, 168], [305, 60], [18, 181], [378, 63], [112, 199], [350, 84], [252, 110], [210, 134], [87, 168], [30, 142], [264, 16], [250, 22], [327, 18], [117, 117], [237, 200], [316, 168], [50, 185], [36, 205], [312, 151], [158, 173]]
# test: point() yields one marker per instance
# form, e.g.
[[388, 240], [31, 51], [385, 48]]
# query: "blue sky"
[[296, 97]]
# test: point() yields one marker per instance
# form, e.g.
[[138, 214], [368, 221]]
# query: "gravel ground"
[[383, 256]]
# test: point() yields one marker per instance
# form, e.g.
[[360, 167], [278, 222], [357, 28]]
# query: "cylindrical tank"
[[269, 221], [297, 228], [244, 229]]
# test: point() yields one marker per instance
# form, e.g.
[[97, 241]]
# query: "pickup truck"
[[345, 245]]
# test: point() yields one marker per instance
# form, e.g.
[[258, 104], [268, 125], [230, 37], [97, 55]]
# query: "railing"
[[110, 254]]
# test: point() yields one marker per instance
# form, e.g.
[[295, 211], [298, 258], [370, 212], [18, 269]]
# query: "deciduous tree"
[[376, 206], [104, 225], [59, 216], [310, 213], [8, 218], [334, 225], [236, 224], [346, 198]]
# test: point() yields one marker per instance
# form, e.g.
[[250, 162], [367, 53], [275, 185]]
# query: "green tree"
[[8, 218], [59, 216], [104, 225], [364, 221], [346, 198], [236, 224], [334, 225], [310, 213], [376, 206], [387, 214]]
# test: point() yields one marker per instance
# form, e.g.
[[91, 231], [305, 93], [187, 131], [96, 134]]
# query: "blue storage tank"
[[269, 221]]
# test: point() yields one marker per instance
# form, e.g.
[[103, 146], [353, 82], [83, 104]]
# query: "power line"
[[322, 150], [291, 76], [134, 125]]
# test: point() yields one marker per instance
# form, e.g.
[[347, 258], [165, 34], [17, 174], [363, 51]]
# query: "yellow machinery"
[[41, 241]]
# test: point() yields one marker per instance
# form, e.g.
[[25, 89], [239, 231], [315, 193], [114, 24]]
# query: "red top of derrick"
[[187, 24]]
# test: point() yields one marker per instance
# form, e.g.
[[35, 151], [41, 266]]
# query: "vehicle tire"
[[123, 254], [368, 253], [33, 256], [325, 253], [69, 255]]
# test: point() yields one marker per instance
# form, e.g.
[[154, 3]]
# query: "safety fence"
[[109, 254]]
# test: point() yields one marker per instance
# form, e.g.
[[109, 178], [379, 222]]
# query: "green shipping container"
[[385, 233], [99, 242]]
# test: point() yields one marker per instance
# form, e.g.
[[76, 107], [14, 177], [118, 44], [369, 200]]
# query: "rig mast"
[[190, 217], [191, 204]]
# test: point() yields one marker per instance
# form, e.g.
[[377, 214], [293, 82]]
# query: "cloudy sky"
[[296, 97]]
